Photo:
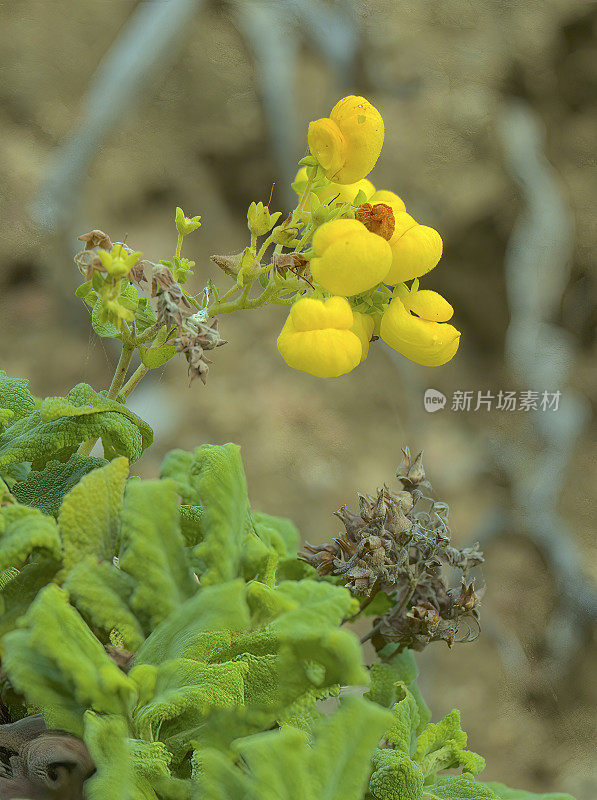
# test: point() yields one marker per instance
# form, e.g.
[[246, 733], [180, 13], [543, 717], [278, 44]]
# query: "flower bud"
[[348, 142], [186, 225], [260, 220], [317, 337], [348, 258]]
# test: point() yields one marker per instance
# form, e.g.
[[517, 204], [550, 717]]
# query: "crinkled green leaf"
[[199, 627], [462, 787], [502, 792], [395, 776], [101, 593], [277, 532], [24, 531], [61, 424], [15, 397], [403, 732], [279, 763], [178, 466], [217, 778], [106, 739], [45, 489], [221, 488], [89, 516], [184, 693], [190, 524], [153, 551], [441, 746], [55, 661], [20, 591], [400, 668]]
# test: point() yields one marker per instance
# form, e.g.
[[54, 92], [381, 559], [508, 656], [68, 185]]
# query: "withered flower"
[[399, 542]]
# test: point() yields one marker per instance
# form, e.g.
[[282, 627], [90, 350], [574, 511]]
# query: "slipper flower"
[[317, 337], [390, 199], [348, 142], [416, 249], [349, 259], [424, 336]]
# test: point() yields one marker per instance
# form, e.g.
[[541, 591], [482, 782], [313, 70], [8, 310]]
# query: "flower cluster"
[[364, 248], [392, 553]]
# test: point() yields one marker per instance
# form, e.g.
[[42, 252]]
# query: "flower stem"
[[179, 245], [121, 370], [135, 378]]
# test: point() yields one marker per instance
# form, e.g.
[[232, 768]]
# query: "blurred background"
[[114, 112]]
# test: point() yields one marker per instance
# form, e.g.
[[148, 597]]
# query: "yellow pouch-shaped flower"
[[390, 199], [348, 142], [423, 341], [416, 249], [363, 327], [317, 337], [348, 258], [425, 303]]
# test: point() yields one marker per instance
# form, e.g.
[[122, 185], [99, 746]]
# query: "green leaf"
[[395, 776], [221, 488], [101, 593], [403, 732], [279, 763], [217, 778], [24, 531], [199, 626], [185, 691], [54, 660], [401, 668], [502, 792], [441, 746], [277, 532], [380, 604], [61, 424], [153, 550], [15, 397], [106, 739], [462, 787], [18, 594], [45, 489], [144, 315], [158, 353], [89, 516]]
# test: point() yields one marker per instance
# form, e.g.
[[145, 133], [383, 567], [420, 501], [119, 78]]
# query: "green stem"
[[135, 378], [179, 245], [121, 369]]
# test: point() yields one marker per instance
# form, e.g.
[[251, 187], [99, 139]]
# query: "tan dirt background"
[[439, 71]]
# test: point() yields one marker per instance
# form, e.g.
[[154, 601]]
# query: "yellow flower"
[[348, 142], [416, 249], [363, 327], [424, 339], [390, 199], [317, 337], [348, 258]]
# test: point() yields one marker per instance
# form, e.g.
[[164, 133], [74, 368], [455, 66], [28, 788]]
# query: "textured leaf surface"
[[221, 488], [199, 626], [24, 531], [15, 397], [45, 489], [61, 424], [101, 593], [153, 551], [58, 665], [106, 739], [89, 517], [441, 746], [462, 787], [18, 594]]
